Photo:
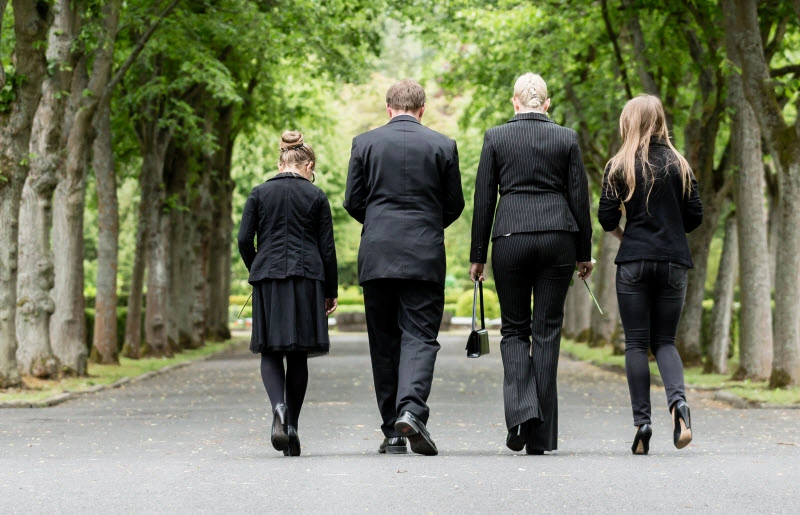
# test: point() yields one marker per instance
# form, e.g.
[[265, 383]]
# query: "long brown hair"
[[642, 118]]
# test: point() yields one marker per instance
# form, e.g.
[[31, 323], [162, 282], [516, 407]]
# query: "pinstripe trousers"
[[539, 264]]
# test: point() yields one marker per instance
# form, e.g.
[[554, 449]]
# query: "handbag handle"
[[478, 287]]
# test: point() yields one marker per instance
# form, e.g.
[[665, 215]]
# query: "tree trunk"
[[31, 24], [68, 323], [691, 324], [202, 207], [786, 356], [755, 335], [783, 141], [717, 358], [605, 326], [773, 224], [34, 305], [105, 319], [157, 249], [133, 322], [220, 258]]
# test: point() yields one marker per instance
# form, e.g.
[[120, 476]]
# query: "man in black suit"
[[404, 186]]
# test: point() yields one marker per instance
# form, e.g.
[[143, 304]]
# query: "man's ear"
[[389, 111], [517, 106], [421, 112], [546, 105]]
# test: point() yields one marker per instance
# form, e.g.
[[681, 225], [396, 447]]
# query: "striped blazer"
[[536, 166]]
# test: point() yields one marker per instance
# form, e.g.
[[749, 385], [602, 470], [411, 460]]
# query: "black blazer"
[[404, 185], [656, 228], [536, 164], [292, 219]]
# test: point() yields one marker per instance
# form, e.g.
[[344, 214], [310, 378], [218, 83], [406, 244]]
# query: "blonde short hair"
[[531, 90]]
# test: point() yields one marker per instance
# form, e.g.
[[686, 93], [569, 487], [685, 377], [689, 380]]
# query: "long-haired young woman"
[[294, 280], [652, 184]]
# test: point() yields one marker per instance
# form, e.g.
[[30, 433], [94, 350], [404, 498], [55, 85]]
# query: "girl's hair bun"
[[291, 140]]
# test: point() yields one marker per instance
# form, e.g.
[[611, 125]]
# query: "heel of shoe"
[[682, 425], [641, 442], [280, 435], [293, 448], [516, 438]]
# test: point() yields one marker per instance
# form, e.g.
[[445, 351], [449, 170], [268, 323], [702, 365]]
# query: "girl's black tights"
[[289, 386]]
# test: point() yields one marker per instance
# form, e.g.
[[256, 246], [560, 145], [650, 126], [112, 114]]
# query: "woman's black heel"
[[280, 435], [641, 442], [516, 438], [682, 424], [293, 448]]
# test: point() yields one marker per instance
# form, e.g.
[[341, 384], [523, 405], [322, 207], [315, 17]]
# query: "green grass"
[[39, 389], [693, 376]]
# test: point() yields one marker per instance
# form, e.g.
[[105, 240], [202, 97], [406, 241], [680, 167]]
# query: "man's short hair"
[[406, 95]]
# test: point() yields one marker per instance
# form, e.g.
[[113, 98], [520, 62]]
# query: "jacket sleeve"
[[692, 208], [454, 195], [327, 248], [485, 201], [579, 202], [609, 213], [248, 229], [355, 195]]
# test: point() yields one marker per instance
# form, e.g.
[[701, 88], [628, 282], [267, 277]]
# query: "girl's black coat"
[[292, 219]]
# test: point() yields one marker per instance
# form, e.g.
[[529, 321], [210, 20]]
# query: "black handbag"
[[478, 342]]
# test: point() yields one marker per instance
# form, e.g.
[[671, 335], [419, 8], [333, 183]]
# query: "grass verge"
[[694, 377], [35, 390]]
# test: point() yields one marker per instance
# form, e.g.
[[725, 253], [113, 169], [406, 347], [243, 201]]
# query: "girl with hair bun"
[[294, 278]]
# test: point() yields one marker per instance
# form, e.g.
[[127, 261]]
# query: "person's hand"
[[476, 272], [585, 269], [330, 305]]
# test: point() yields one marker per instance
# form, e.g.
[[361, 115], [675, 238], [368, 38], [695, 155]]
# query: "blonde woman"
[[294, 280], [540, 231], [654, 185]]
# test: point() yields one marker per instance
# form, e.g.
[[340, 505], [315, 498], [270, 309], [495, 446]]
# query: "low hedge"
[[491, 304], [122, 317]]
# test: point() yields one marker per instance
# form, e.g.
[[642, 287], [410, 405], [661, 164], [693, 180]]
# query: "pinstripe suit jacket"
[[537, 167]]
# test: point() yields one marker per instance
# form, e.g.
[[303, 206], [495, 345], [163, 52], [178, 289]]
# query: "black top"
[[404, 185], [655, 230], [537, 167], [292, 219]]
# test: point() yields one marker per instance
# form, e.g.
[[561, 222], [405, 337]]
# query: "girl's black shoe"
[[293, 448], [681, 424], [280, 435], [641, 442]]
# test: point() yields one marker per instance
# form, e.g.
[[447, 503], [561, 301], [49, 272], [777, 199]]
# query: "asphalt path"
[[197, 440]]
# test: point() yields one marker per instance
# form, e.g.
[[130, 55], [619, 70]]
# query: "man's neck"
[[414, 115]]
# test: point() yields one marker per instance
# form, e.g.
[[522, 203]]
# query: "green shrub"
[[491, 305], [238, 299], [122, 317], [234, 309], [351, 296]]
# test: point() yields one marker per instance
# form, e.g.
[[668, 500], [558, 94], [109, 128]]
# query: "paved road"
[[198, 440]]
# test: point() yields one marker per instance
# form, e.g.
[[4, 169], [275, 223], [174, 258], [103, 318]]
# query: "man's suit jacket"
[[404, 185], [292, 219], [537, 167]]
